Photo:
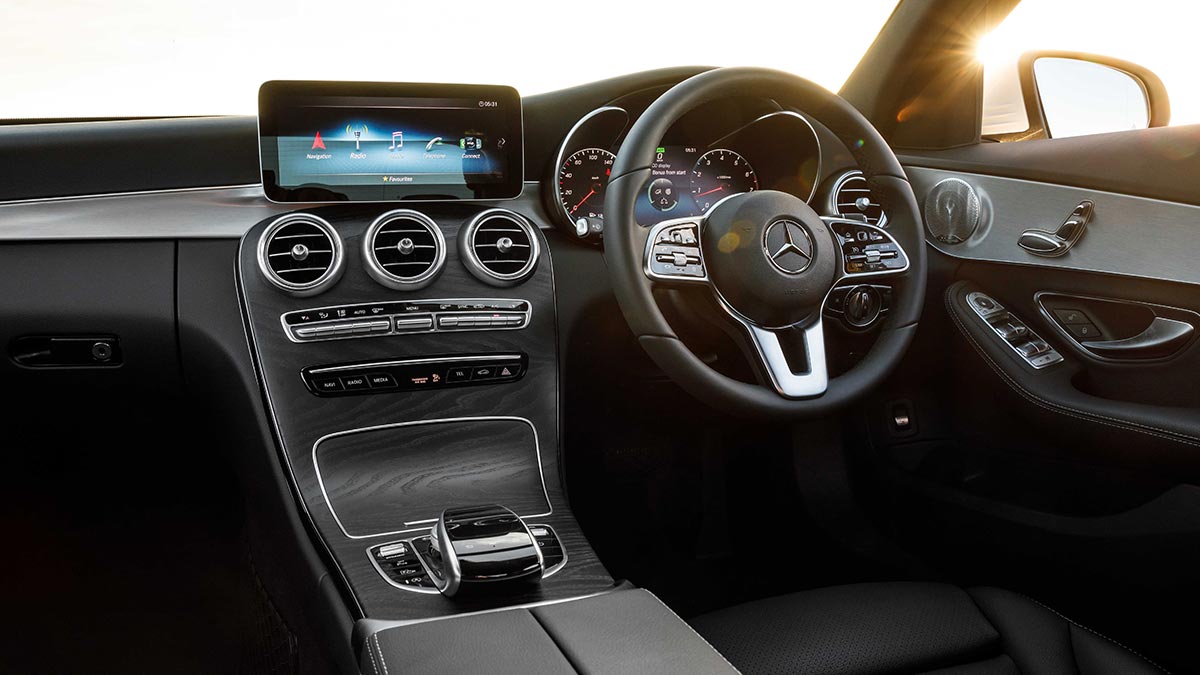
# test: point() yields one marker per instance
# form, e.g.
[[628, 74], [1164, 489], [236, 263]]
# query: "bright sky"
[[1158, 34], [170, 57]]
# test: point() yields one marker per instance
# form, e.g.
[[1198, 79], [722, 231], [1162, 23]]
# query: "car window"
[[1156, 34], [144, 58]]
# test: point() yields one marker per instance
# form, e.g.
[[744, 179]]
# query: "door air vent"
[[300, 253], [499, 247], [404, 250], [852, 199]]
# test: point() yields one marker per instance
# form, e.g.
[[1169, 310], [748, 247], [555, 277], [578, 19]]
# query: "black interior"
[[184, 496]]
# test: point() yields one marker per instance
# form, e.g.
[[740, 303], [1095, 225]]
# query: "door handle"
[[1049, 244], [1162, 337]]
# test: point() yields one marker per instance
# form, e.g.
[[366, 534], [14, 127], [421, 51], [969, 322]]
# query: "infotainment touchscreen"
[[365, 141]]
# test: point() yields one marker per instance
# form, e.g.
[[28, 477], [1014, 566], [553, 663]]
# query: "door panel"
[[1126, 235], [1075, 482]]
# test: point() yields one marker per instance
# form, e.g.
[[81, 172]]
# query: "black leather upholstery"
[[911, 628], [626, 631]]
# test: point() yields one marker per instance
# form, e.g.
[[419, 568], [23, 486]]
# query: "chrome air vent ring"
[[404, 250], [851, 198], [499, 247], [300, 254]]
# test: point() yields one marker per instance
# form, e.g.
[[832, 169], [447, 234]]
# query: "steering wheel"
[[769, 259]]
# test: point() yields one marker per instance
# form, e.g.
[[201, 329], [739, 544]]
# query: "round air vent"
[[952, 211], [852, 200], [404, 250], [499, 247], [301, 254]]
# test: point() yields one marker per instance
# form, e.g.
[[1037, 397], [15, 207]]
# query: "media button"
[[381, 381]]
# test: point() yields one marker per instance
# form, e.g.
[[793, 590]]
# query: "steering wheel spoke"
[[673, 253], [793, 358], [866, 251]]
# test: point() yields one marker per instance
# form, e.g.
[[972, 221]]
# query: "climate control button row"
[[398, 318]]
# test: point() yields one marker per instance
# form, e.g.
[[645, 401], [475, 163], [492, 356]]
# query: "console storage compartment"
[[398, 478], [624, 631]]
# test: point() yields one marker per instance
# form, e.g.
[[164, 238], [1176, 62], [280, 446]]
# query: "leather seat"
[[911, 628]]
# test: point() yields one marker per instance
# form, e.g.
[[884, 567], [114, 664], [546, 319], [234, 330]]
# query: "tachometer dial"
[[582, 179], [718, 174]]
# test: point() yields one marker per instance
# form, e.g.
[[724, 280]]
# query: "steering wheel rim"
[[627, 251]]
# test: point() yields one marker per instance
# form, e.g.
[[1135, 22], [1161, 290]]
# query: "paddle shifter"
[[475, 546]]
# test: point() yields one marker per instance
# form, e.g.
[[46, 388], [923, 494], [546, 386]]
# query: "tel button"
[[458, 375]]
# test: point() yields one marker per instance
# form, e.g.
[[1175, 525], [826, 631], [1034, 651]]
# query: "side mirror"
[[1073, 94]]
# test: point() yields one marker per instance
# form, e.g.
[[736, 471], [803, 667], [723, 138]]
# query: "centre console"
[[409, 361]]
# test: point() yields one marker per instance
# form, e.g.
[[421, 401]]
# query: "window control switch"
[[1011, 330], [1033, 348]]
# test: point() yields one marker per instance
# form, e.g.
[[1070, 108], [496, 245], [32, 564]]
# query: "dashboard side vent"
[[499, 247], [301, 254], [404, 250], [852, 199]]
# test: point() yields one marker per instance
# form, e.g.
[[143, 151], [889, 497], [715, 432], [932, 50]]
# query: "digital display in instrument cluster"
[[686, 181]]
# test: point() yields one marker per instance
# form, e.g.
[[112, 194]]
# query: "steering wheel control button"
[[674, 252], [1013, 332], [866, 249], [415, 374]]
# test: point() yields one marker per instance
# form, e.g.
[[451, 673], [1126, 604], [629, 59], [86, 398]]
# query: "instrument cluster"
[[697, 165]]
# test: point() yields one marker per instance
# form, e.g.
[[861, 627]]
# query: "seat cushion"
[[910, 628]]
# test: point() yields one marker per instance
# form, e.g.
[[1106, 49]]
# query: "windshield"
[[81, 58]]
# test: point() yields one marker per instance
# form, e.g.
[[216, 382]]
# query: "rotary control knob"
[[862, 306]]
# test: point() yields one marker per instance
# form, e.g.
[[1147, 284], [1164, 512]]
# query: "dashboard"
[[431, 318]]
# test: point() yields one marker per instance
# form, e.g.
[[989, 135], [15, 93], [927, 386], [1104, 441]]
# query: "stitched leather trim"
[[1093, 632], [374, 663], [382, 659], [1088, 416]]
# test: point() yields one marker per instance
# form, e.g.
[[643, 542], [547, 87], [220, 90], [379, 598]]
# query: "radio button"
[[352, 382]]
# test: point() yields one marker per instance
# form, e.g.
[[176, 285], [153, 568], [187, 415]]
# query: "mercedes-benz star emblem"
[[788, 246]]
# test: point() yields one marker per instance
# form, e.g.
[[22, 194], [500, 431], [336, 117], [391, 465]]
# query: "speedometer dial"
[[582, 179], [718, 174]]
